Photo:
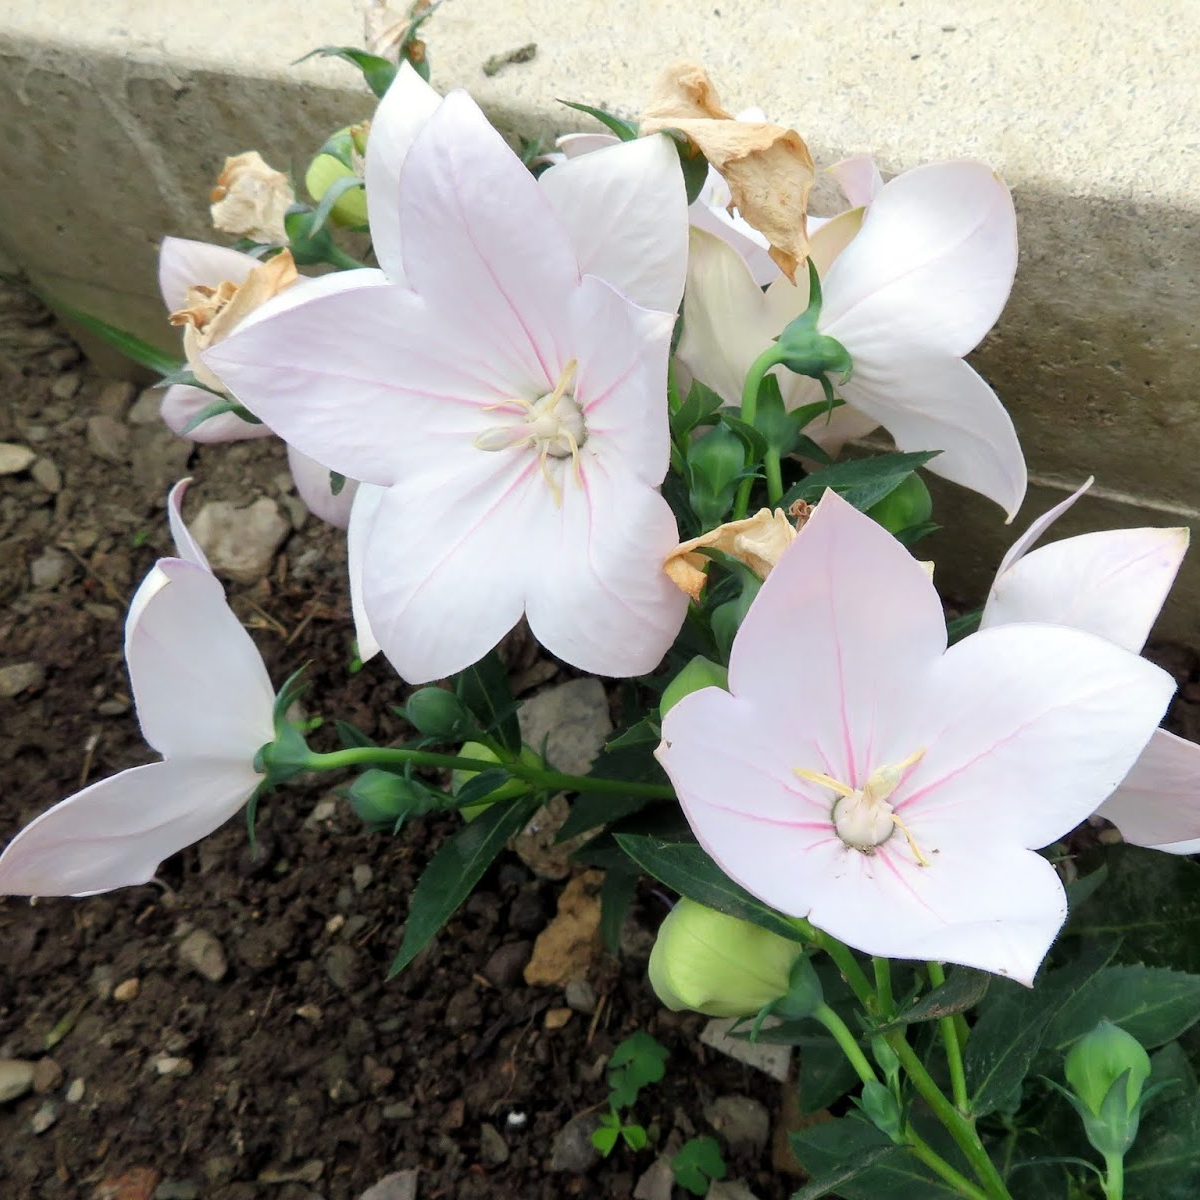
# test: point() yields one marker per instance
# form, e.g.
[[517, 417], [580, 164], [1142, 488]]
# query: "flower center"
[[863, 817], [553, 425]]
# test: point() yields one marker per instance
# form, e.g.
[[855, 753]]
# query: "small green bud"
[[327, 168], [382, 799], [804, 995], [718, 965], [907, 505], [880, 1105], [700, 673], [435, 712], [1107, 1070]]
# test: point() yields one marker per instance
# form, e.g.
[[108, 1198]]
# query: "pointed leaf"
[[483, 688], [963, 990], [862, 482]]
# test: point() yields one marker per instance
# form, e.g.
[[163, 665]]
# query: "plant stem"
[[344, 262], [852, 973], [1114, 1179], [936, 1163], [550, 781], [754, 377], [847, 1041], [959, 1128], [883, 986], [948, 1028], [774, 472]]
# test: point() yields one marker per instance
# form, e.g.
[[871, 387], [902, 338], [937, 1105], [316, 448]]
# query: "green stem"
[[754, 377], [948, 1028], [550, 781], [337, 257], [883, 987], [847, 1041], [1114, 1180], [959, 1128], [774, 471], [852, 973], [936, 1163]]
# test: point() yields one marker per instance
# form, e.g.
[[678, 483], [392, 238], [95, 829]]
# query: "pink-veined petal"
[[183, 263], [625, 209], [929, 401], [850, 612], [116, 832], [186, 546], [859, 179], [199, 684], [182, 403], [448, 561], [407, 104], [1111, 583], [1039, 526], [481, 241], [362, 516], [601, 600], [572, 145], [315, 487], [1158, 802], [367, 380], [621, 380], [932, 266], [1025, 731], [831, 432]]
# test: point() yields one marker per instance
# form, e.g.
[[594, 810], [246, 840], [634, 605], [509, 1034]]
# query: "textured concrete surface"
[[116, 118]]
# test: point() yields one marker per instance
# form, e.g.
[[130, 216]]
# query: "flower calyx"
[[805, 350]]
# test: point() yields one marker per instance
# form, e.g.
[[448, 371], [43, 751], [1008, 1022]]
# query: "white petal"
[[1025, 729], [183, 263], [198, 682], [115, 833], [932, 266], [928, 401], [186, 546], [601, 600], [362, 516], [859, 179], [182, 403], [401, 115], [573, 145], [1158, 802], [625, 208], [316, 489], [849, 616], [448, 561], [1039, 526], [1111, 583]]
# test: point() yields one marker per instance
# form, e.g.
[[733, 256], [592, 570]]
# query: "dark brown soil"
[[303, 1073]]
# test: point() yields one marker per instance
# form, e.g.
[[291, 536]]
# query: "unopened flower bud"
[[341, 158], [1107, 1070], [382, 799], [904, 507], [514, 787], [435, 712], [700, 673], [718, 965]]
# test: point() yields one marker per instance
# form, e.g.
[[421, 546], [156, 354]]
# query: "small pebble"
[[309, 1012], [75, 1091], [177, 1189], [505, 965], [16, 1078], [47, 476], [14, 458], [115, 398], [45, 1116], [47, 1075], [127, 990], [19, 678], [114, 707], [581, 996], [108, 439], [493, 1149], [201, 951], [65, 386], [145, 410], [402, 1110], [49, 569], [400, 1185], [362, 876], [556, 1018], [178, 1067]]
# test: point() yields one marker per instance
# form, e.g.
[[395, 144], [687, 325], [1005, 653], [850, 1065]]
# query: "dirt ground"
[[298, 1073], [295, 1072]]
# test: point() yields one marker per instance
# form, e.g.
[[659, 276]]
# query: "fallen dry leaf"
[[757, 541], [768, 168]]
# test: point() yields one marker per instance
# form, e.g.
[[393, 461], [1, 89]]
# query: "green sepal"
[[880, 1106], [377, 72], [225, 404]]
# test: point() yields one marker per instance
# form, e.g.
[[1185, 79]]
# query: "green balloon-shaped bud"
[[340, 158], [718, 965], [908, 505], [700, 673], [382, 799], [435, 712], [1107, 1070]]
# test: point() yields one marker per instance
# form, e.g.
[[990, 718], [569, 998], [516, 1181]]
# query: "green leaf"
[[829, 1150], [480, 786], [635, 1137], [686, 868], [616, 894], [1172, 1065], [695, 169], [220, 406], [1153, 1004], [697, 409], [591, 809], [1007, 1037], [1164, 1163], [377, 72], [336, 190], [138, 351], [625, 130], [454, 870], [698, 1162], [963, 990], [755, 442], [643, 733], [862, 482], [484, 689], [1151, 901], [825, 1073], [636, 1062], [350, 736], [958, 627], [605, 1138]]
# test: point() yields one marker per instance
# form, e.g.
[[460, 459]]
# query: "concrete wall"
[[117, 115]]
